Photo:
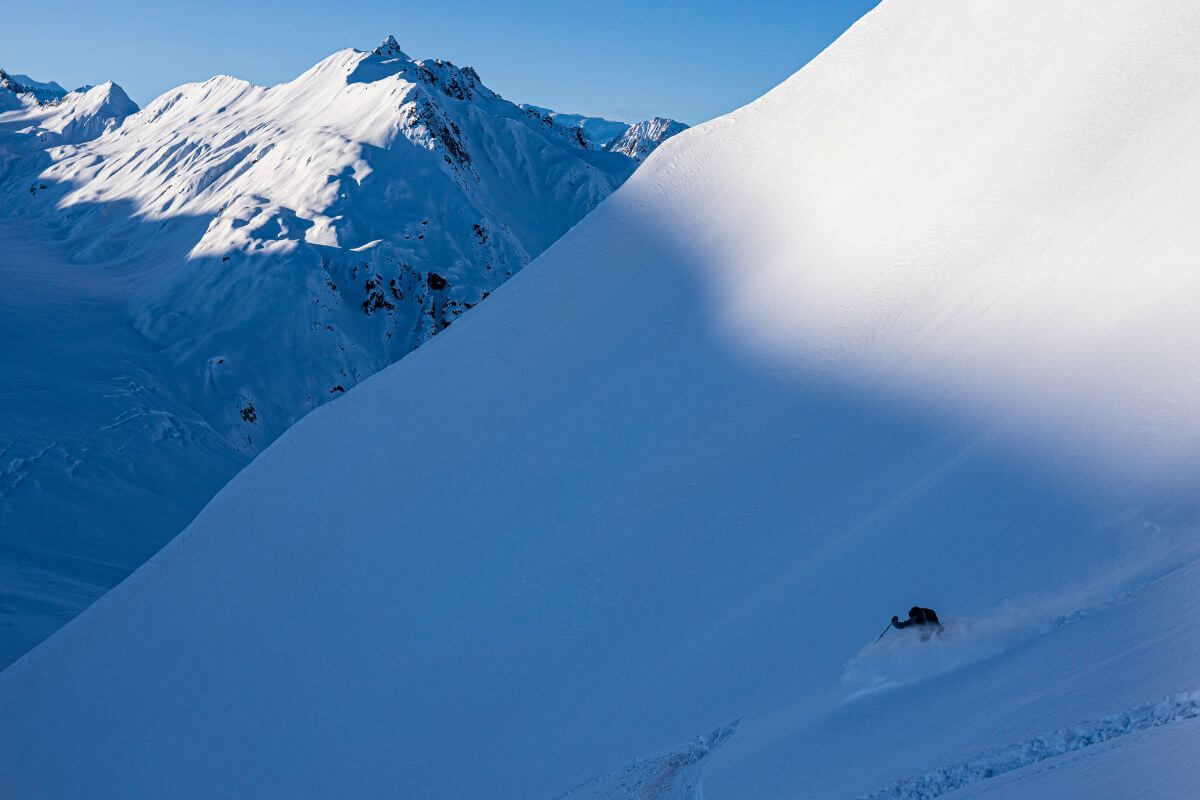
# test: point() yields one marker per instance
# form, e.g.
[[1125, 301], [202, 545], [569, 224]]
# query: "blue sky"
[[625, 60]]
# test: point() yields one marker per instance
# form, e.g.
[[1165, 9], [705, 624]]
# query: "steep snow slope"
[[917, 326], [256, 252]]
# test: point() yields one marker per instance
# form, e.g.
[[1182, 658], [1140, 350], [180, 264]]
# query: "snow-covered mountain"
[[35, 117], [599, 131], [916, 327], [188, 281], [642, 138], [636, 140], [36, 90]]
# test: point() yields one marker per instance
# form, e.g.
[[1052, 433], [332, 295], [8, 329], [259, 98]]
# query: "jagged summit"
[[636, 140], [391, 49], [388, 61], [642, 138]]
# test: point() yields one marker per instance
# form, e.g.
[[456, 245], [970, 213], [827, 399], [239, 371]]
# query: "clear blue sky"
[[621, 59]]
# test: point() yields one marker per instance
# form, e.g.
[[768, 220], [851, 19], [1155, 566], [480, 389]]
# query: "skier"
[[923, 617], [918, 616]]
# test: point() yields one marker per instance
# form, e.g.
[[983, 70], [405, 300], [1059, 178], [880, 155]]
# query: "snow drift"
[[915, 327]]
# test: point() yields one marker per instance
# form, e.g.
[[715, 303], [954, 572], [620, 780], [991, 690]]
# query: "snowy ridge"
[[987, 765], [598, 131]]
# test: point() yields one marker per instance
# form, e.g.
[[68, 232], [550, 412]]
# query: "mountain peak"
[[391, 49], [643, 137]]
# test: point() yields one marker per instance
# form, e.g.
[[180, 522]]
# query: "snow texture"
[[1056, 743], [673, 774], [916, 327]]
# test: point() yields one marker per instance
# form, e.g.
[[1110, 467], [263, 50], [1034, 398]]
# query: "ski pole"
[[885, 630]]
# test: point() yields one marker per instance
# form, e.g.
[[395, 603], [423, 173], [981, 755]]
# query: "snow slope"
[[915, 327], [255, 252]]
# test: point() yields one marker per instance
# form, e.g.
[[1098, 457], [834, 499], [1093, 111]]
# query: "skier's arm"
[[897, 623]]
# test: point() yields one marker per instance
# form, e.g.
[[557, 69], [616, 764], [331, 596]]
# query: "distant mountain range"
[[42, 92], [636, 140]]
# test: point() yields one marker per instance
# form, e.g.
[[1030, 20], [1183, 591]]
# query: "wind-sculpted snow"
[[987, 765], [916, 327]]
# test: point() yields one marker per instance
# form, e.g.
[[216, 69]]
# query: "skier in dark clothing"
[[918, 616], [926, 618]]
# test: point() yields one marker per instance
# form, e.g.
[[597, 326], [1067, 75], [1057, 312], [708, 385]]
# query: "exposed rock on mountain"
[[636, 141], [642, 139]]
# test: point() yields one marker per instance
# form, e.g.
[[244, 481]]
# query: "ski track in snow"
[[901, 657], [955, 776]]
